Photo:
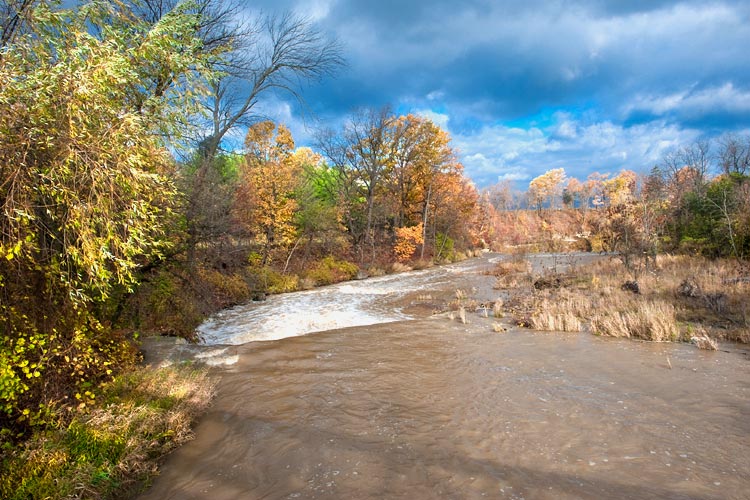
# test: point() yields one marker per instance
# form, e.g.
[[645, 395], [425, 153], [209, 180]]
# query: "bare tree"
[[361, 153], [734, 154], [15, 18], [250, 60]]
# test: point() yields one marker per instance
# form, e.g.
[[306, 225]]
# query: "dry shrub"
[[420, 264], [741, 335], [399, 267], [497, 309], [375, 272], [646, 320], [515, 266], [498, 328], [702, 340]]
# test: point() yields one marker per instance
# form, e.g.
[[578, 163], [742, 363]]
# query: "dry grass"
[[705, 342], [497, 309], [647, 320], [398, 267], [555, 317], [462, 315], [719, 303], [549, 322], [512, 273]]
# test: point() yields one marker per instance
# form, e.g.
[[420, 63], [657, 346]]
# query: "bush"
[[330, 270], [444, 248], [267, 280]]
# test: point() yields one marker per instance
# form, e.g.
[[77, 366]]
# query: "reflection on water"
[[436, 409]]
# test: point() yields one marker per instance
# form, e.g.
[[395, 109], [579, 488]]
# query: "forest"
[[128, 210]]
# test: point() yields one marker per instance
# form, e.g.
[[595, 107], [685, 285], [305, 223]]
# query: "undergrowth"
[[111, 449], [680, 299]]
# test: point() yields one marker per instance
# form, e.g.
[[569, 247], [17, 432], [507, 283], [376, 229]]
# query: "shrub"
[[408, 240], [330, 270], [444, 251], [267, 280], [398, 267]]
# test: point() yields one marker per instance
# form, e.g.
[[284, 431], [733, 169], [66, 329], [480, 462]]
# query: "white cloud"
[[500, 152], [439, 119], [315, 10], [725, 98], [436, 95]]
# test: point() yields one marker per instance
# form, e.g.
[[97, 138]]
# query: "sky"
[[527, 86]]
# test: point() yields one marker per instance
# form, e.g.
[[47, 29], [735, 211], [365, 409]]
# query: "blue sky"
[[526, 86]]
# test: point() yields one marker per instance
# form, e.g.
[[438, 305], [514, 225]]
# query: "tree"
[[265, 203], [734, 154], [362, 153], [621, 189], [318, 218], [251, 61], [547, 188], [85, 193], [421, 153]]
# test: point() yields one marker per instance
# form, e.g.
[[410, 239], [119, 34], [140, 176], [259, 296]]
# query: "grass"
[[555, 317], [682, 298], [646, 320], [111, 450]]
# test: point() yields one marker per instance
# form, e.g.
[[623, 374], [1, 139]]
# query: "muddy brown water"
[[432, 408]]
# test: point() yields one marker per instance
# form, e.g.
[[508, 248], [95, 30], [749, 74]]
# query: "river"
[[398, 407]]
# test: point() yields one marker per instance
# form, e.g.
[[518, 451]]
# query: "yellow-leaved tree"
[[547, 188], [265, 204]]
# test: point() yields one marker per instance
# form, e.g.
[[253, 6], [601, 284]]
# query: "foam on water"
[[344, 305]]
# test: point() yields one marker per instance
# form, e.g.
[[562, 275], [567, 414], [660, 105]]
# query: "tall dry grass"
[[647, 320], [561, 315], [718, 305]]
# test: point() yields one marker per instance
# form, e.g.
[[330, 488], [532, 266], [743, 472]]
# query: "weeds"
[[555, 316], [108, 451], [680, 296]]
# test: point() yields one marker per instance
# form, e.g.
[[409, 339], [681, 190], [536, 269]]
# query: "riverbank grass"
[[109, 451], [681, 298]]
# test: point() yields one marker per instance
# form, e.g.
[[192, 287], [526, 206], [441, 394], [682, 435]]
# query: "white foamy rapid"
[[354, 303]]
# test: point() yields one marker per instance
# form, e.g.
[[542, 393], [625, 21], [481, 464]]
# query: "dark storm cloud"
[[613, 69]]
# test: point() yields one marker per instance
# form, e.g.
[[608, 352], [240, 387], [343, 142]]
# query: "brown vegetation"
[[682, 298]]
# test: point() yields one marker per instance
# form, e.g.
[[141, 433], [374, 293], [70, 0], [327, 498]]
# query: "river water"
[[433, 408]]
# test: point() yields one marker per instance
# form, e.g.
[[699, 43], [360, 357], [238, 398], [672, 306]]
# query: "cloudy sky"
[[526, 86]]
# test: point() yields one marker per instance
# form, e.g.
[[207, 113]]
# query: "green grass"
[[111, 450]]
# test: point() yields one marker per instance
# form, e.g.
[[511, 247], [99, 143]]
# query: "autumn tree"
[[547, 188], [421, 157], [255, 59], [265, 204], [85, 194], [362, 154], [392, 172]]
